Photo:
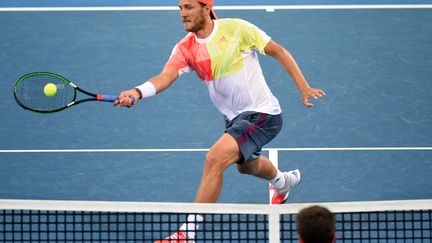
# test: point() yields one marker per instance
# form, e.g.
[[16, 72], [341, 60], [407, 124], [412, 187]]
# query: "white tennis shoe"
[[292, 180]]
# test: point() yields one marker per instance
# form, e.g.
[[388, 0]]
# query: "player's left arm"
[[278, 52]]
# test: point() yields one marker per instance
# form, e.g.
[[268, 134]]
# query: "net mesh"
[[378, 226], [28, 221], [79, 226]]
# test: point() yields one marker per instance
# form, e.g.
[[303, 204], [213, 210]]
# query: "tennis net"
[[83, 221]]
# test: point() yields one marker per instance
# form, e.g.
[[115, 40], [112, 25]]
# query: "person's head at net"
[[196, 14], [316, 224]]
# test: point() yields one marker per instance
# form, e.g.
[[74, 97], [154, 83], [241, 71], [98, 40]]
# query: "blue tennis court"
[[369, 139]]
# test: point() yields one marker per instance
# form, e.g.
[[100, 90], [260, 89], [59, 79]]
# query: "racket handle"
[[111, 98]]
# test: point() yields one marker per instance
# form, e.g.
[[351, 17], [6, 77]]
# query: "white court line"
[[354, 149], [206, 149], [258, 7]]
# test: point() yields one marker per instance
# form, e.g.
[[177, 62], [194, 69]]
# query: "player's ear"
[[334, 237], [207, 9]]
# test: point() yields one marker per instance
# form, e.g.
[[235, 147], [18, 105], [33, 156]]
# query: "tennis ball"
[[50, 89]]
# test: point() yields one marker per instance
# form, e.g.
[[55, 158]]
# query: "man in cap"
[[224, 55]]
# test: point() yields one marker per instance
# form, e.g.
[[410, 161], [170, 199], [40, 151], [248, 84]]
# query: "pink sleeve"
[[178, 60]]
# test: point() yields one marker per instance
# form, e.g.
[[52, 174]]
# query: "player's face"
[[193, 15]]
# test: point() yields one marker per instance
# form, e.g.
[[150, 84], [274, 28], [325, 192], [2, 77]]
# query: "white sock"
[[192, 225], [279, 181]]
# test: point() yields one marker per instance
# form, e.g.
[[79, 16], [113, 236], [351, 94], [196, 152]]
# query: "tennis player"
[[224, 55]]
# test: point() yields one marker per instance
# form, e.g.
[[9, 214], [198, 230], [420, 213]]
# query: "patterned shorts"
[[252, 130]]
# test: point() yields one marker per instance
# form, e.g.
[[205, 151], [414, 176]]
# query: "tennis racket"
[[29, 93]]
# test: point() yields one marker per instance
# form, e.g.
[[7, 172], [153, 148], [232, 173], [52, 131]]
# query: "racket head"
[[29, 92]]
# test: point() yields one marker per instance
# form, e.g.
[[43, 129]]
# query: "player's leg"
[[252, 131], [221, 155], [261, 167], [282, 182]]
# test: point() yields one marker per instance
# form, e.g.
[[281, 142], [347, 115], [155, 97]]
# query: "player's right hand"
[[124, 98]]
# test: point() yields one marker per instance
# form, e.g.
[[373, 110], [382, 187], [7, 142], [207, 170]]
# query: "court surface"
[[374, 64]]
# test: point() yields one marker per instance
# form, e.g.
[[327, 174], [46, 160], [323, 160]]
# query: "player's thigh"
[[224, 152]]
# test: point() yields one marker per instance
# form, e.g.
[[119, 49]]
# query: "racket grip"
[[111, 98]]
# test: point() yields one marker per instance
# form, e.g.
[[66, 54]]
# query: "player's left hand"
[[311, 93]]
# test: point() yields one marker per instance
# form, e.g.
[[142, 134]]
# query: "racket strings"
[[30, 93]]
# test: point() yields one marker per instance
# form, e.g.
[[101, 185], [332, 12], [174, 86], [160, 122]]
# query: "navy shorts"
[[253, 130]]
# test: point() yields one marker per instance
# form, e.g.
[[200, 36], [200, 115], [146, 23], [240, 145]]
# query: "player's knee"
[[216, 163], [211, 163]]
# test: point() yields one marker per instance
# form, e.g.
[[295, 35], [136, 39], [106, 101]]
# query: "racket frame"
[[93, 97]]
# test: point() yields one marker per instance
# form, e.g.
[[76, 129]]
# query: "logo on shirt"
[[222, 39]]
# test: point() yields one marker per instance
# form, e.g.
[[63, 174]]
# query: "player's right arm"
[[153, 86]]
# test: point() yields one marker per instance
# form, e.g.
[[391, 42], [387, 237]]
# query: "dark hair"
[[316, 224]]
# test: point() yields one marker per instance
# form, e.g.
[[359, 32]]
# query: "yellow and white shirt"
[[227, 62]]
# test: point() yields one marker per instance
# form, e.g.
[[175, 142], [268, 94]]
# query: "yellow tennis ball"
[[50, 89]]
